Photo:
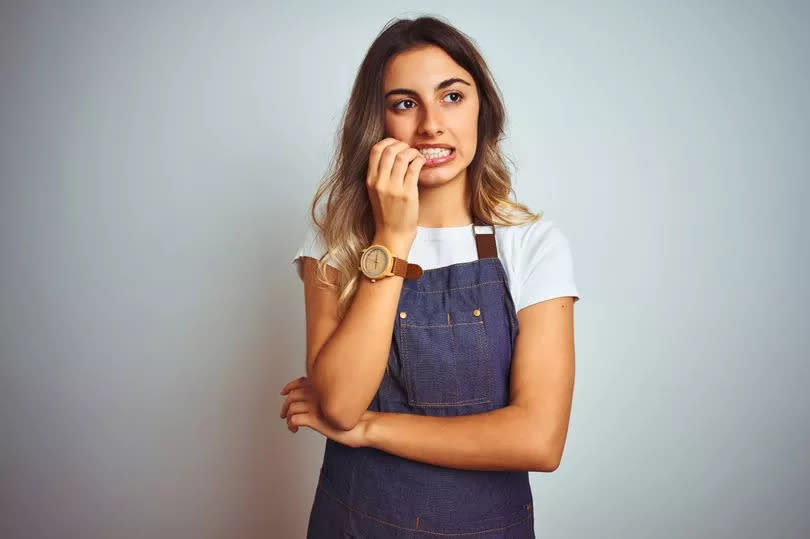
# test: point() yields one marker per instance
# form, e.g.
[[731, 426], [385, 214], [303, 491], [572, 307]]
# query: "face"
[[430, 99]]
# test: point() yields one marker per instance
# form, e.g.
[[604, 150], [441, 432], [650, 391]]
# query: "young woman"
[[419, 274]]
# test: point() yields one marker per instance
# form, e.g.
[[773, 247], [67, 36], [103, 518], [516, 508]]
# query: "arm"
[[346, 359], [528, 434]]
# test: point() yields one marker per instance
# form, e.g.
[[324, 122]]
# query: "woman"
[[434, 406]]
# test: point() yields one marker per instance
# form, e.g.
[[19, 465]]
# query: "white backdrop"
[[157, 165]]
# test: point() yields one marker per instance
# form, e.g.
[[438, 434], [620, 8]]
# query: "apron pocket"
[[446, 359]]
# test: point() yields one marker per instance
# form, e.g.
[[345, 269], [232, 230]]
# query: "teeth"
[[436, 152]]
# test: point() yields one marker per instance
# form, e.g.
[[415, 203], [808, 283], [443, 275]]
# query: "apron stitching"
[[442, 325], [449, 289], [483, 344]]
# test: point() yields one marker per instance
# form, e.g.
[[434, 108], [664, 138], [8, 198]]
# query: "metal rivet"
[[403, 314], [476, 312]]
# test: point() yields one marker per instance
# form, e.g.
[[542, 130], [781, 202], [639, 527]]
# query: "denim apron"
[[451, 353]]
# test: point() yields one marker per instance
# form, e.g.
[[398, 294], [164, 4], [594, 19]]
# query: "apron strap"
[[484, 239]]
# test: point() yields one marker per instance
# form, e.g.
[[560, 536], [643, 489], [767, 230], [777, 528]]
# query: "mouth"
[[437, 156]]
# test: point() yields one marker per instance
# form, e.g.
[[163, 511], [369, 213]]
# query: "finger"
[[402, 162], [411, 179], [374, 157], [297, 420], [387, 160], [304, 394], [295, 395], [299, 407], [284, 406], [293, 384]]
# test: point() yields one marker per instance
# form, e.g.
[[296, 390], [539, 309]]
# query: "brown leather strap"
[[414, 271], [485, 241], [400, 267], [406, 270]]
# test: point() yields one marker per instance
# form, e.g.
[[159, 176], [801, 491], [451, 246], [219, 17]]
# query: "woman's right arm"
[[346, 359]]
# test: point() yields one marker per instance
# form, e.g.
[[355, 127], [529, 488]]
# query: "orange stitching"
[[483, 346], [449, 289], [443, 325]]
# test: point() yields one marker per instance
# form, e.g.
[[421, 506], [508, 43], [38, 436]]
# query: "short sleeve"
[[546, 267], [311, 245]]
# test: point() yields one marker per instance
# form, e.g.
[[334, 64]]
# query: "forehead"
[[421, 69]]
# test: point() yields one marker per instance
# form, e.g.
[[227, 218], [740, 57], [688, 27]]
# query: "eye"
[[396, 105]]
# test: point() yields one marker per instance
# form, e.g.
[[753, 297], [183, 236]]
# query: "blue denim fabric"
[[450, 355]]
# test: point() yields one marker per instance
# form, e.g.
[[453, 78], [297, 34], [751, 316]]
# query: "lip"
[[420, 146], [437, 161]]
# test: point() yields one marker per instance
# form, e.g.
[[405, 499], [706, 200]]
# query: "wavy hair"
[[347, 224]]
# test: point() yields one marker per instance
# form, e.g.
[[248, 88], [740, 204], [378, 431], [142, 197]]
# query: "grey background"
[[157, 163]]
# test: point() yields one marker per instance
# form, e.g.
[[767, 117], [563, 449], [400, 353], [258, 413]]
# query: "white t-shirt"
[[536, 256]]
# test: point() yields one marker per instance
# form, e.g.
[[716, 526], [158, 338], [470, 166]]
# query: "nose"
[[430, 124]]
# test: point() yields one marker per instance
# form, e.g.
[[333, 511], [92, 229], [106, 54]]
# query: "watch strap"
[[404, 269]]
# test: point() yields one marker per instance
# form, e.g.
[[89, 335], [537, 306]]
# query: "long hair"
[[347, 224]]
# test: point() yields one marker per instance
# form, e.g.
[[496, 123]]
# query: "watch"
[[377, 262]]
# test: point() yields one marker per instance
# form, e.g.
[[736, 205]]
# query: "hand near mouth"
[[393, 174], [436, 154]]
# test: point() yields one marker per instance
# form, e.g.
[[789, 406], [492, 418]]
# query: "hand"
[[393, 175], [302, 409]]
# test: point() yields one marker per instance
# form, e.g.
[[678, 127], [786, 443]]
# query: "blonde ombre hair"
[[347, 224]]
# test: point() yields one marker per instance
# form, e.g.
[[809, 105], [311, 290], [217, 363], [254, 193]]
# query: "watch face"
[[374, 261]]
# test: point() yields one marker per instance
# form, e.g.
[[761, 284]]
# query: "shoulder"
[[538, 261], [538, 234], [310, 244], [526, 243]]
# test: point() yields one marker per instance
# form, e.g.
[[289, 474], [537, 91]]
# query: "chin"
[[433, 179], [437, 175]]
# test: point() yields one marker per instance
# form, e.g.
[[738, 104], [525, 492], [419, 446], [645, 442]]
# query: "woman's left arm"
[[528, 434]]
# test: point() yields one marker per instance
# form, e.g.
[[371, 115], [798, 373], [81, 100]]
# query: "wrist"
[[400, 246], [369, 430]]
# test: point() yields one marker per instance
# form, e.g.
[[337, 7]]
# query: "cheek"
[[395, 127], [470, 130]]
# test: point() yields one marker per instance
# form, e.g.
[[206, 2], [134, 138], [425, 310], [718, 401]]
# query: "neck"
[[445, 205]]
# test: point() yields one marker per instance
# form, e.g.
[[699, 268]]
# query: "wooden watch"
[[377, 262]]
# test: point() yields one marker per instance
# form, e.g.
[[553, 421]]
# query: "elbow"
[[547, 454], [339, 418], [545, 442], [546, 464], [334, 413]]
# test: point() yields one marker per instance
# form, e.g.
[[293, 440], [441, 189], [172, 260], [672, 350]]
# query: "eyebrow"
[[441, 85]]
